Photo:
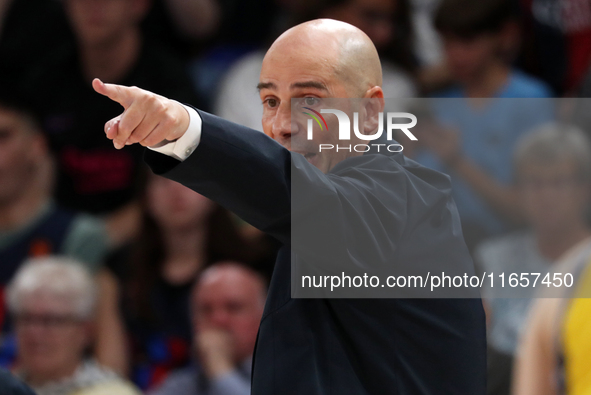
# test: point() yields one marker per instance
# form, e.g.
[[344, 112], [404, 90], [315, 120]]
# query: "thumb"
[[117, 93]]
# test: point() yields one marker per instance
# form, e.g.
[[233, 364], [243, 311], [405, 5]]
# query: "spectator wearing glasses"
[[553, 166], [32, 225], [53, 301]]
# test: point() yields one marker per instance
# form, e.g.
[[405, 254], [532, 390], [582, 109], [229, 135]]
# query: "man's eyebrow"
[[266, 85], [309, 84]]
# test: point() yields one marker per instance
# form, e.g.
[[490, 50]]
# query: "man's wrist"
[[183, 146], [185, 121]]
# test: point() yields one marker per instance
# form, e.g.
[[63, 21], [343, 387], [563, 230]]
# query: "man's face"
[[234, 304], [100, 22], [51, 339], [468, 58], [553, 196], [19, 153], [309, 75]]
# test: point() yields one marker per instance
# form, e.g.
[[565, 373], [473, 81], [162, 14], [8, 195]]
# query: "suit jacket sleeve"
[[240, 168], [359, 213]]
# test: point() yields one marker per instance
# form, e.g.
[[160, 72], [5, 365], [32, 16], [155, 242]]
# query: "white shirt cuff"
[[184, 146]]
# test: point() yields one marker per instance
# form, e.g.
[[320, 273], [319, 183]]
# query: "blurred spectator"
[[557, 41], [553, 166], [92, 175], [227, 306], [478, 38], [479, 42], [238, 99], [31, 224], [554, 351], [475, 140], [387, 23], [182, 233], [53, 301]]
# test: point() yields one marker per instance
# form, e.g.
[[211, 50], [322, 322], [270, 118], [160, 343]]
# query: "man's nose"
[[282, 125]]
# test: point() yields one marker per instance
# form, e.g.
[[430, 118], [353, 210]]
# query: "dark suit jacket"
[[344, 346]]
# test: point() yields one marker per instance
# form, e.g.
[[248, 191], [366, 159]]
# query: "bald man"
[[323, 345], [227, 305]]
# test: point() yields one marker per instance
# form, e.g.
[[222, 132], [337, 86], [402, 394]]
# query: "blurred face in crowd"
[[374, 17], [554, 196], [174, 206], [102, 22], [231, 299], [469, 58], [51, 338], [21, 147], [313, 61]]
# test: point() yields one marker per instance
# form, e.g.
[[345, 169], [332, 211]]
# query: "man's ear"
[[374, 105]]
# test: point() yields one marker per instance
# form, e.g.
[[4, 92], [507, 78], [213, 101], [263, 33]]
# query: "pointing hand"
[[147, 119]]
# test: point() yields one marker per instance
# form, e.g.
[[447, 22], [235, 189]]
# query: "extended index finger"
[[123, 95]]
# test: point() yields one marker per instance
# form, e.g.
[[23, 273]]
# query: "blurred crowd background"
[[116, 280]]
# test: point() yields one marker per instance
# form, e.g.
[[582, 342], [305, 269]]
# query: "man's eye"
[[272, 102], [311, 101]]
